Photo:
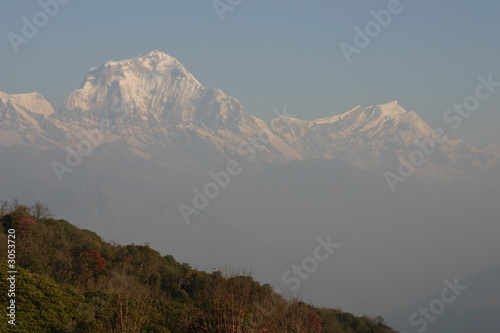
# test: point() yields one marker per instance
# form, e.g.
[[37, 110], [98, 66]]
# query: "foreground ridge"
[[82, 283]]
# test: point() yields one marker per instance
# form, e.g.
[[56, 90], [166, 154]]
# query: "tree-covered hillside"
[[70, 280]]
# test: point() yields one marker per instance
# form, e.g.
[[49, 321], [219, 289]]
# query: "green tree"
[[42, 305]]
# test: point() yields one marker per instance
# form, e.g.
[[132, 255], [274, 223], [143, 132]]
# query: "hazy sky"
[[274, 53]]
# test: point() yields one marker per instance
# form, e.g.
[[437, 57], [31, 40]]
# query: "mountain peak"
[[150, 63], [32, 102], [153, 89], [391, 109], [155, 54]]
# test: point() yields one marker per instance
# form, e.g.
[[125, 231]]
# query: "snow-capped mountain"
[[376, 136], [154, 89], [22, 117], [155, 102], [152, 107]]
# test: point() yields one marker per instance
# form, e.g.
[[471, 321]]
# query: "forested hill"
[[70, 280]]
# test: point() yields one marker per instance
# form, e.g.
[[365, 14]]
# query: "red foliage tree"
[[315, 322], [93, 259], [23, 225]]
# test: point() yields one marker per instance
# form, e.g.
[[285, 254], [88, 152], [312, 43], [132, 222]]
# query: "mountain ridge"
[[152, 105]]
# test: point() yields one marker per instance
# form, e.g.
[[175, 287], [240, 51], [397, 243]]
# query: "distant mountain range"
[[155, 109]]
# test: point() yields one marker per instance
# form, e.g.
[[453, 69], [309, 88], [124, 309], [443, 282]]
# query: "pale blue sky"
[[275, 53]]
